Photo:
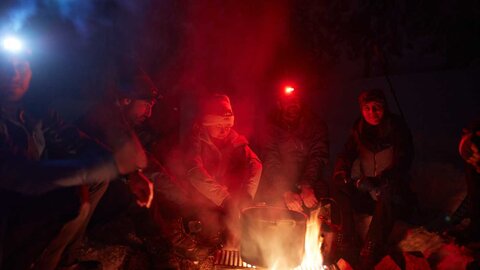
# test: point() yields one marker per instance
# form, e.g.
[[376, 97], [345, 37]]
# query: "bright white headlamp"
[[12, 44]]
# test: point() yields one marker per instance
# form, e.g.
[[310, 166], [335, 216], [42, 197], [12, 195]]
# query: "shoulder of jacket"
[[238, 140]]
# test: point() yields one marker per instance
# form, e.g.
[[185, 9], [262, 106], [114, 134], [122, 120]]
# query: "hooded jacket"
[[384, 151], [218, 172]]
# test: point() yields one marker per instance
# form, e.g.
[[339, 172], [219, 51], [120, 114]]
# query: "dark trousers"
[[392, 204]]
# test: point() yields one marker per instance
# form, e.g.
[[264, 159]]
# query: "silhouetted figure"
[[113, 120], [40, 156], [371, 176], [295, 154], [219, 171]]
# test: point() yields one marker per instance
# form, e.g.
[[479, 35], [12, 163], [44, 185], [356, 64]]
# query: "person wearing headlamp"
[[295, 153], [40, 157], [15, 73]]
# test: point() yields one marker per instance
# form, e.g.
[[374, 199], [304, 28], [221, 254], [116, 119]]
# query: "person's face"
[[139, 110], [15, 76], [291, 109], [220, 131], [373, 112]]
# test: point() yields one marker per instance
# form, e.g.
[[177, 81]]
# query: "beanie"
[[136, 85], [216, 110]]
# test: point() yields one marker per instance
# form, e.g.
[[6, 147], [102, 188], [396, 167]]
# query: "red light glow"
[[289, 90]]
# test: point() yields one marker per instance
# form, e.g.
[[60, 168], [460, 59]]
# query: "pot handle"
[[287, 222], [283, 222]]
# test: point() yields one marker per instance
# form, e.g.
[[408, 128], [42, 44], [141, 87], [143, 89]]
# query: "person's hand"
[[293, 201], [308, 197], [375, 193], [142, 188], [130, 156]]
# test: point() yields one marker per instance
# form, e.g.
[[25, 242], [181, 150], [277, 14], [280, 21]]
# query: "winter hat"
[[217, 110], [376, 95], [136, 84]]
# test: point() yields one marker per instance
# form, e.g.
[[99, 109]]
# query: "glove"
[[142, 188], [308, 197], [293, 201]]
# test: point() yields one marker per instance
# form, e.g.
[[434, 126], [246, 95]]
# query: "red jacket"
[[218, 172]]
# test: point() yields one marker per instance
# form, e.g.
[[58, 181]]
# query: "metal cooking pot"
[[272, 236]]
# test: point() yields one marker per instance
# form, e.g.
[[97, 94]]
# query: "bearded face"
[[291, 109]]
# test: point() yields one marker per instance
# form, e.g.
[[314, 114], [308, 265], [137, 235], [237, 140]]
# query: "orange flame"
[[312, 259]]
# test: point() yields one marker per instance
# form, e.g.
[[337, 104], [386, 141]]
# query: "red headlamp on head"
[[289, 90], [289, 95]]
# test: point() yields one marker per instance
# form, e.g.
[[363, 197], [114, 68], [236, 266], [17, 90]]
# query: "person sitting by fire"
[[41, 157], [115, 119], [121, 116], [220, 172], [371, 176], [295, 153]]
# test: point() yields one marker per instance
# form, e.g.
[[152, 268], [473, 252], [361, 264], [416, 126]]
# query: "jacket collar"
[[234, 139]]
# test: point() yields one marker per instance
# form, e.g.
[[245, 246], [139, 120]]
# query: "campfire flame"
[[312, 259]]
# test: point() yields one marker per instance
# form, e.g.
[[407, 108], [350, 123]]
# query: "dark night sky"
[[330, 49], [242, 46]]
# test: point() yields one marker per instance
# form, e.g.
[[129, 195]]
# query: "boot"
[[184, 244], [345, 247]]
